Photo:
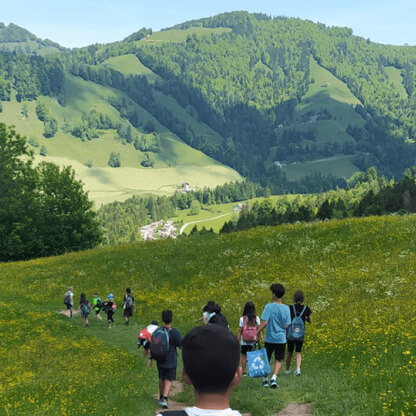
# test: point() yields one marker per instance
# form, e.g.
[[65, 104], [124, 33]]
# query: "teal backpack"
[[296, 330]]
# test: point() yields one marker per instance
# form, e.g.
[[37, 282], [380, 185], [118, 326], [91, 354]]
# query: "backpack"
[[249, 332], [219, 319], [85, 308], [144, 334], [67, 299], [159, 347], [128, 302], [99, 303], [296, 329]]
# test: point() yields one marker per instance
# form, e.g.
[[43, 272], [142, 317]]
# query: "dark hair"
[[167, 316], [208, 306], [250, 312], [211, 355], [83, 298], [278, 290], [298, 297], [128, 290], [155, 323]]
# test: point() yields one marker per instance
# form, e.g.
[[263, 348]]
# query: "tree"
[[44, 210], [114, 161], [67, 219], [195, 207], [17, 195]]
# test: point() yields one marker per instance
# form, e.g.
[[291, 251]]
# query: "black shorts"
[[246, 348], [97, 311], [278, 349], [291, 345], [167, 373], [128, 312], [68, 307], [143, 343]]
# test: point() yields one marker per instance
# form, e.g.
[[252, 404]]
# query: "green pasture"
[[339, 165], [130, 65], [359, 354], [175, 163], [396, 79], [178, 35], [214, 216]]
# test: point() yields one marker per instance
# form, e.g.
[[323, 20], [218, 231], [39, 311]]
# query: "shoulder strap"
[[303, 310], [174, 413], [295, 314]]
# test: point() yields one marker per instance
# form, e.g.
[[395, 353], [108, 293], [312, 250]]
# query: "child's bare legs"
[[277, 366], [298, 360], [244, 363]]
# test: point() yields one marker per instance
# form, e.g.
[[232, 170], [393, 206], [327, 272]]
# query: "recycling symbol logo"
[[258, 363]]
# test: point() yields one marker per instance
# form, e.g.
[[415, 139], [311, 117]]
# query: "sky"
[[76, 23]]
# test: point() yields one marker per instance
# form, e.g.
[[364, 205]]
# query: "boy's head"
[[167, 317], [298, 297], [278, 290], [128, 291], [211, 356]]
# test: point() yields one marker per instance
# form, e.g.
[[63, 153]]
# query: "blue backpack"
[[296, 329]]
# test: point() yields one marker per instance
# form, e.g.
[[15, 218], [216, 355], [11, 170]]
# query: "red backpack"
[[249, 332]]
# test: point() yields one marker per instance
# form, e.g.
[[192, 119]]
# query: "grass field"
[[339, 165], [359, 355], [175, 163], [326, 92], [396, 79], [208, 216], [130, 65]]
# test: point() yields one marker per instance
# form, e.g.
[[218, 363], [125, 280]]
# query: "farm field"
[[214, 216], [176, 162], [358, 276], [105, 185]]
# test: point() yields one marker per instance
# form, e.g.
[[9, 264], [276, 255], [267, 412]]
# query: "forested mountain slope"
[[276, 99]]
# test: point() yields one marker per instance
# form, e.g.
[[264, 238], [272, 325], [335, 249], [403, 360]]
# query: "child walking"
[[247, 332], [304, 312]]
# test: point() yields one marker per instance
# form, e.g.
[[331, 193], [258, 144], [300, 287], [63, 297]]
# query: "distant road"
[[195, 222]]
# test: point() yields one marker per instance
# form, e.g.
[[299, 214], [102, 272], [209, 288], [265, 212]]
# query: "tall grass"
[[358, 276]]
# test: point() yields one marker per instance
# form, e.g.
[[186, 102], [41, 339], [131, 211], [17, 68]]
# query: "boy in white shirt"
[[211, 356]]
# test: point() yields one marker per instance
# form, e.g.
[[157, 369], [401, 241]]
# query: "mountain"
[[282, 101], [14, 38]]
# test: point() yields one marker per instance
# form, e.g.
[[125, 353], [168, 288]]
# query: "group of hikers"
[[108, 306], [211, 352]]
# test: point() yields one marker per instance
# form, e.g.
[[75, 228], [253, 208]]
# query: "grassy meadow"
[[326, 92], [358, 276]]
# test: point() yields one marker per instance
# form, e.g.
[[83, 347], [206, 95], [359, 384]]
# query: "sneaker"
[[297, 372], [287, 372], [265, 383], [273, 383], [244, 374], [163, 403]]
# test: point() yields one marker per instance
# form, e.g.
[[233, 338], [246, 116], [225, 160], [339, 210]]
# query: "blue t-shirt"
[[278, 318]]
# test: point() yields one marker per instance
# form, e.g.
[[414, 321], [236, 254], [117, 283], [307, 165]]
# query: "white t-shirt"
[[241, 325], [196, 411], [69, 293], [151, 328]]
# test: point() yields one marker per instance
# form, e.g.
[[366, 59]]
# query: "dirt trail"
[[292, 409]]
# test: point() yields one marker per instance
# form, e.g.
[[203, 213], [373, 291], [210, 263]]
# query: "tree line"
[[367, 194]]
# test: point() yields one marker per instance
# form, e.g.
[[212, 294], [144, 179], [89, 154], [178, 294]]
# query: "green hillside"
[[275, 99], [358, 277], [175, 163]]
